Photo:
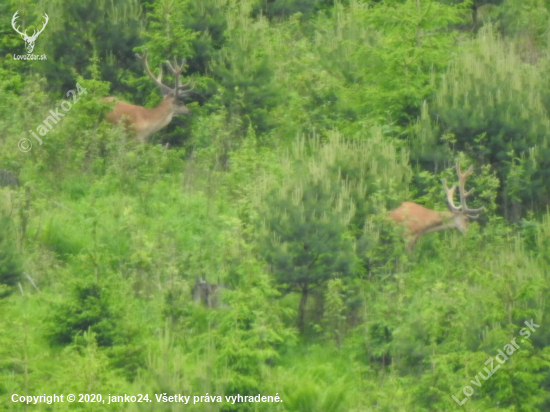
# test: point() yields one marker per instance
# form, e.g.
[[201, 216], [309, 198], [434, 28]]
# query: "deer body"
[[142, 121], [420, 221]]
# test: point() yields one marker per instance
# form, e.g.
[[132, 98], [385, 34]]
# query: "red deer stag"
[[144, 122], [419, 220]]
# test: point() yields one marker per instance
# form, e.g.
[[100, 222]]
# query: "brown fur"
[[144, 122], [419, 221]]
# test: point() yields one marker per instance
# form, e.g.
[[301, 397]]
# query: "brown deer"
[[419, 220], [144, 122]]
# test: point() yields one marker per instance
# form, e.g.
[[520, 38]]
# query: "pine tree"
[[10, 262], [308, 229]]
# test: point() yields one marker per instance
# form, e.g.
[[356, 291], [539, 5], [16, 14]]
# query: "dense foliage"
[[310, 120]]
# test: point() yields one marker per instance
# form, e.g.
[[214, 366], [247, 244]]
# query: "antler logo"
[[29, 40]]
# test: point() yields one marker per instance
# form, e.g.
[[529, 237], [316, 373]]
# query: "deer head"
[[420, 221], [29, 40], [461, 215], [175, 95]]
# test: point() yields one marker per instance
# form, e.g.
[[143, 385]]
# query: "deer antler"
[[463, 207], [463, 194], [450, 197], [176, 71], [177, 74], [186, 92], [157, 80]]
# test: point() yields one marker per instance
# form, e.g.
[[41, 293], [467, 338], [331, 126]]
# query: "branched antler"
[[176, 71], [463, 207]]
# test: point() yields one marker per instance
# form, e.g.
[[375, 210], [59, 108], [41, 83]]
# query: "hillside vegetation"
[[310, 120]]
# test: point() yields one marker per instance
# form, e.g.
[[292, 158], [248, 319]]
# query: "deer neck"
[[162, 115], [445, 222]]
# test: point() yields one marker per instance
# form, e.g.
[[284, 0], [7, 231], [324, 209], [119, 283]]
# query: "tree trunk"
[[302, 308], [474, 16]]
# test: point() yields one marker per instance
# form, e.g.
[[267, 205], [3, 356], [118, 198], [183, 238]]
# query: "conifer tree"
[[10, 262], [308, 232]]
